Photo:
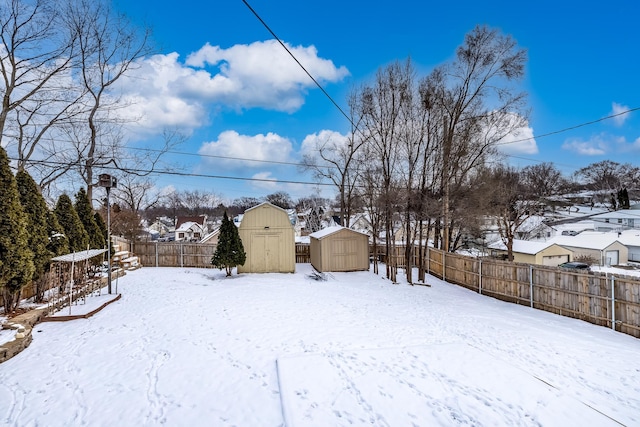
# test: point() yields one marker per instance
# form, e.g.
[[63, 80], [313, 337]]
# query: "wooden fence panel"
[[303, 254]]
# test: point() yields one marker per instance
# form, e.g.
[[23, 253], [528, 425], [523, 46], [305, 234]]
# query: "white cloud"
[[618, 109], [325, 138], [521, 141], [596, 146], [264, 181], [162, 91], [233, 146], [263, 74]]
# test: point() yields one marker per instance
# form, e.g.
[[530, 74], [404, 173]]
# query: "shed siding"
[[344, 250], [268, 239]]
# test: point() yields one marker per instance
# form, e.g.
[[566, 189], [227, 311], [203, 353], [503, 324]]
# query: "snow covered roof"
[[587, 240], [333, 229], [522, 246], [188, 225], [79, 256], [623, 213]]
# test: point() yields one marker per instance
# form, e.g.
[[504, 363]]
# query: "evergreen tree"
[[103, 229], [229, 252], [36, 211], [16, 259], [58, 242], [71, 225], [86, 215]]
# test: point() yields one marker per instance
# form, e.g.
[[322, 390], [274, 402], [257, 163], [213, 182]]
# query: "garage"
[[339, 249], [268, 239], [611, 258], [554, 260]]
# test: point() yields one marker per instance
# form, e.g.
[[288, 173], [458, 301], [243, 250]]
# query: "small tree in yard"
[[229, 252]]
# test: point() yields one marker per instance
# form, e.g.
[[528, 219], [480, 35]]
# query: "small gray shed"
[[339, 249], [268, 239]]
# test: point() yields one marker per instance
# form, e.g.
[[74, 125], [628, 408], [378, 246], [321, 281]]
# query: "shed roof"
[[331, 230], [79, 256]]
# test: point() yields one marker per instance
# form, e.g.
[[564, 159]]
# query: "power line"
[[571, 127], [243, 159], [175, 173], [300, 64]]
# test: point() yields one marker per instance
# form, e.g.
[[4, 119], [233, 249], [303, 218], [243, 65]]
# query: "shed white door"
[[265, 254], [611, 257], [554, 260]]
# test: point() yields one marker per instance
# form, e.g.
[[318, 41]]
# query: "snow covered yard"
[[191, 347]]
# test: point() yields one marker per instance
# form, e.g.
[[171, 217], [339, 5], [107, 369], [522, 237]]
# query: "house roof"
[[522, 246], [188, 225], [623, 213], [588, 240], [200, 219]]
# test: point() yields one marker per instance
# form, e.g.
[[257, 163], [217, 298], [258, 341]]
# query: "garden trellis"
[[70, 287]]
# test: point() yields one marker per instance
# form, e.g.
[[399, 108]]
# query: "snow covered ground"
[[192, 347]]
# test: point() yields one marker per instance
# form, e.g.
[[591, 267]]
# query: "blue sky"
[[220, 77]]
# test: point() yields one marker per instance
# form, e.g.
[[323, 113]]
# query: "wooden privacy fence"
[[174, 254], [303, 254], [183, 254], [598, 298]]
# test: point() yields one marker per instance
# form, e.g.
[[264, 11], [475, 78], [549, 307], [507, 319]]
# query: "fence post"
[[156, 253], [444, 268], [531, 285], [181, 256], [613, 303], [427, 254], [480, 280]]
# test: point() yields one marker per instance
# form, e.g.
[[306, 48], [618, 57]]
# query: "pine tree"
[[58, 242], [103, 229], [229, 252], [86, 215], [16, 259], [71, 225], [35, 209]]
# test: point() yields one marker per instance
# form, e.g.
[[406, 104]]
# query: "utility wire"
[[175, 173], [300, 64], [571, 128]]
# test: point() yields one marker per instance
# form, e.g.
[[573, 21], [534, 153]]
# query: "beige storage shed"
[[268, 239], [339, 249]]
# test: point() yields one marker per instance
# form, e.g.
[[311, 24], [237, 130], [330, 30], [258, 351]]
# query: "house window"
[[181, 235], [619, 220]]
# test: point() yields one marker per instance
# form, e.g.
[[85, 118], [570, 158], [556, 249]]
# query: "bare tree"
[[333, 158], [108, 48], [136, 193], [381, 106], [544, 179], [36, 56], [510, 202], [479, 107]]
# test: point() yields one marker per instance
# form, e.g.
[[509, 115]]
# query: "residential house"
[[605, 248], [191, 228], [189, 232], [624, 219]]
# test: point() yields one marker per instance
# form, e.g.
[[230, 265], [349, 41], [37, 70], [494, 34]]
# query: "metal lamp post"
[[107, 181]]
